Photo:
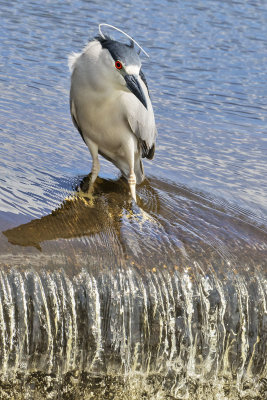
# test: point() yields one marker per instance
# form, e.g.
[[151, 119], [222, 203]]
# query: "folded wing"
[[142, 121]]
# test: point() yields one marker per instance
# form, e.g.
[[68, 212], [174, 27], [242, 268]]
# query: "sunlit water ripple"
[[165, 299]]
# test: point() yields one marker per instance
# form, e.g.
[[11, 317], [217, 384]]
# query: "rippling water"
[[165, 299]]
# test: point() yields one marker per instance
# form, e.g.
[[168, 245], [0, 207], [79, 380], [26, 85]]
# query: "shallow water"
[[165, 299]]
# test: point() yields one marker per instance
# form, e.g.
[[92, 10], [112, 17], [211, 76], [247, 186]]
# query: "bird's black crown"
[[120, 51]]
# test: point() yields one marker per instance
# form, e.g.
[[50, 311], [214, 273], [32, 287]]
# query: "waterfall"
[[175, 311]]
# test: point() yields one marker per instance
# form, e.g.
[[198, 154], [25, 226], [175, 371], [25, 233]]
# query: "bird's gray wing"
[[142, 122], [74, 117]]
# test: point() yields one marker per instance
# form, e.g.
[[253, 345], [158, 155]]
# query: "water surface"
[[165, 299]]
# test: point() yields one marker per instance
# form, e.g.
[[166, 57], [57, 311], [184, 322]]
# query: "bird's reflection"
[[80, 215], [167, 226]]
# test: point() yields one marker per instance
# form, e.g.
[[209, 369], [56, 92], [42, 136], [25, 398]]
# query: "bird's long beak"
[[134, 86]]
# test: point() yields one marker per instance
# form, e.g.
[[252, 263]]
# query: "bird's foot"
[[87, 196], [133, 193]]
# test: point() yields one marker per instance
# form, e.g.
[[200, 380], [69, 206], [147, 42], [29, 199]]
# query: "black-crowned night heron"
[[111, 108]]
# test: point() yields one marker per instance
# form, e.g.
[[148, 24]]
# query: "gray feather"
[[74, 118], [142, 124]]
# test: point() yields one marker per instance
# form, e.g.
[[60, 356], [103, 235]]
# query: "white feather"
[[72, 60]]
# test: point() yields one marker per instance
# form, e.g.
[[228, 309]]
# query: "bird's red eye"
[[118, 65]]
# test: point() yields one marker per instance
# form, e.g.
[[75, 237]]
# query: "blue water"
[[166, 298], [207, 79]]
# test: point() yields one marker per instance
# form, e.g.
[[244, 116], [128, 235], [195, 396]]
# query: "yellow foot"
[[86, 197]]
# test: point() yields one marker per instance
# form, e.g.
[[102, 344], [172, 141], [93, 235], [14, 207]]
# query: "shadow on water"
[[77, 216], [164, 299], [174, 219]]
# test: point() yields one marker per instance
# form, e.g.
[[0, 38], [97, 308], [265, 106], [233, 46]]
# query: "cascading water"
[[188, 324]]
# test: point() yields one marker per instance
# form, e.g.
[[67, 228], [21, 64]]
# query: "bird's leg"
[[95, 165], [129, 153], [132, 183], [94, 172]]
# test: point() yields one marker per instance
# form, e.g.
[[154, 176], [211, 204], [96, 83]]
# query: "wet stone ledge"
[[82, 385]]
